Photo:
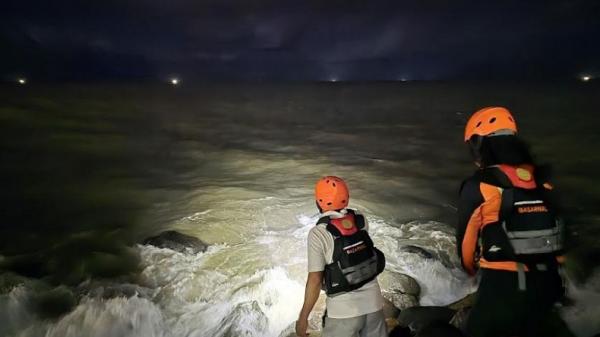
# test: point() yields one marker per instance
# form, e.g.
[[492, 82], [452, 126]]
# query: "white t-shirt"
[[362, 301]]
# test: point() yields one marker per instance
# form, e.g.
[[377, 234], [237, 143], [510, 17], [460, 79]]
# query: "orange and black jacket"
[[480, 206]]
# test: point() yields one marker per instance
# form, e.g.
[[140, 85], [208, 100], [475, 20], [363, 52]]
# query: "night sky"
[[298, 40]]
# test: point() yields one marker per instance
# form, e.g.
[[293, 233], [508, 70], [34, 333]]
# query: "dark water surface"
[[88, 170]]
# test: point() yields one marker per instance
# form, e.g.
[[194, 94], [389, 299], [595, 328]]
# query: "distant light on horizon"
[[175, 81], [22, 81], [333, 79], [586, 78]]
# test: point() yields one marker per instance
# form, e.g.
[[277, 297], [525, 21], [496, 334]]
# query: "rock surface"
[[389, 309], [462, 308], [422, 252], [177, 241], [465, 302], [418, 317], [400, 289], [460, 318], [399, 283]]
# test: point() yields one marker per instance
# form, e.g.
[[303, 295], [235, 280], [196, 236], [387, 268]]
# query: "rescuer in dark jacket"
[[510, 229]]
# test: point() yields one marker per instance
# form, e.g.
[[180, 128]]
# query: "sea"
[[89, 170]]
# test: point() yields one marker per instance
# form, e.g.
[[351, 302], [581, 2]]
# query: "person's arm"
[[311, 294], [316, 266], [469, 221]]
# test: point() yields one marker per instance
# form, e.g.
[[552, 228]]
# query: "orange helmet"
[[331, 193], [489, 120]]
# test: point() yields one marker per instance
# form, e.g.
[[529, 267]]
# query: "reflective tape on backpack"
[[361, 272], [533, 233], [536, 241], [541, 245]]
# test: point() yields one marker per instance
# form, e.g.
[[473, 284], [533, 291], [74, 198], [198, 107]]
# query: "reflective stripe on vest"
[[511, 265], [362, 271], [536, 241]]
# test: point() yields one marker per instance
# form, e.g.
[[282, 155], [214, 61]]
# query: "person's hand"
[[301, 326]]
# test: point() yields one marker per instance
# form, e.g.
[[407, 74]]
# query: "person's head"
[[331, 194], [491, 134]]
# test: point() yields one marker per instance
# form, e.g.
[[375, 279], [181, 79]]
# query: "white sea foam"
[[582, 318], [253, 288], [441, 280]]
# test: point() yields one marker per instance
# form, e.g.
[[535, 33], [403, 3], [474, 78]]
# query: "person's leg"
[[503, 310], [551, 325], [499, 307], [343, 327], [374, 325], [546, 290]]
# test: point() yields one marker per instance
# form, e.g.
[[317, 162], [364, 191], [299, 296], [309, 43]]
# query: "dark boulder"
[[439, 329], [419, 317], [178, 242], [462, 308], [400, 289], [401, 331], [465, 302], [389, 309], [460, 318], [422, 252]]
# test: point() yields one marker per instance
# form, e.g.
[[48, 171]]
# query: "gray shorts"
[[369, 325]]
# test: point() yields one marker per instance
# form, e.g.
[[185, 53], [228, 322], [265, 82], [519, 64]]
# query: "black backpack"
[[529, 230], [356, 261]]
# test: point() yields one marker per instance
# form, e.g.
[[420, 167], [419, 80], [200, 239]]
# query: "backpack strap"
[[333, 230], [324, 220], [359, 219], [508, 203], [359, 222]]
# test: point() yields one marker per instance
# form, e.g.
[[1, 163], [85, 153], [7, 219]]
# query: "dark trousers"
[[501, 309]]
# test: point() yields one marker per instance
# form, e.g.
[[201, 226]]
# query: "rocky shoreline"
[[401, 296]]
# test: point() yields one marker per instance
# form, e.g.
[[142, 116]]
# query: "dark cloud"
[[302, 39]]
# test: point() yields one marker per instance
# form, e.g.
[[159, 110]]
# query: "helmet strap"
[[475, 143], [319, 207]]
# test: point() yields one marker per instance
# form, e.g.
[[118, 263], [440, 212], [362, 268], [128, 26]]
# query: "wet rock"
[[444, 257], [401, 301], [9, 280], [465, 302], [178, 242], [422, 252], [399, 283], [462, 307], [419, 317], [105, 289], [389, 309], [54, 303], [439, 329], [459, 319], [401, 331], [401, 290], [246, 318]]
